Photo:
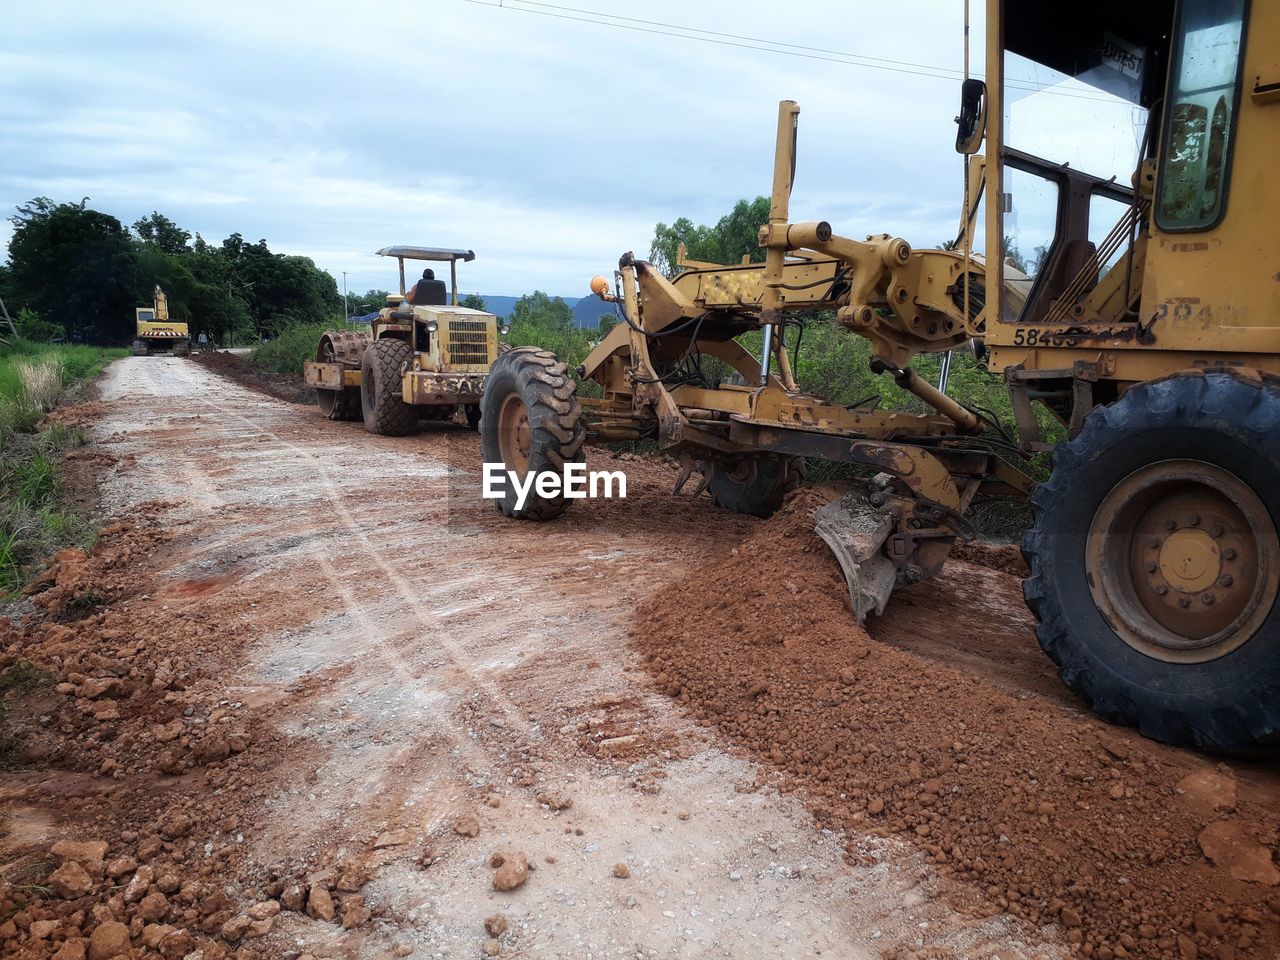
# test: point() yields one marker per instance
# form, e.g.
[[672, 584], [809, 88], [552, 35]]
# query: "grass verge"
[[295, 344], [34, 520]]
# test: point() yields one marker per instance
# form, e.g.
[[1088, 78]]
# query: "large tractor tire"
[[182, 348], [1155, 561], [530, 422], [140, 348], [754, 485], [382, 392]]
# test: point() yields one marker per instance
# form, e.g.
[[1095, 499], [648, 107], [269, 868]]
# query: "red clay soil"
[[1005, 557], [1031, 808], [131, 737]]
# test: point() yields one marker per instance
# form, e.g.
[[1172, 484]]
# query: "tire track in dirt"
[[407, 662]]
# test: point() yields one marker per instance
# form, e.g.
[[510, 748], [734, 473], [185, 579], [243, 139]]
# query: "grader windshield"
[[1077, 103]]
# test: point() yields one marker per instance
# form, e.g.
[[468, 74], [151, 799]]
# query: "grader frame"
[[905, 301], [1154, 555]]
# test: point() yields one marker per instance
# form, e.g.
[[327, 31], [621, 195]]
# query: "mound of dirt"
[[1005, 557], [1030, 808], [282, 386], [127, 730]]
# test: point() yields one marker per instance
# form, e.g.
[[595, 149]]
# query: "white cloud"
[[548, 146]]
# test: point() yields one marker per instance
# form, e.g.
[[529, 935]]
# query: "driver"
[[428, 292]]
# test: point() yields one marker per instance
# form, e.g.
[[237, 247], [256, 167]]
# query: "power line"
[[734, 36], [755, 43]]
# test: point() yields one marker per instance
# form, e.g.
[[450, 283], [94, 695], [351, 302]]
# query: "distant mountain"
[[499, 306], [588, 311], [502, 306]]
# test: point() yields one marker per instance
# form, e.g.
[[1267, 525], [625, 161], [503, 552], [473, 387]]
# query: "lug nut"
[[1207, 599], [1217, 530], [1171, 524], [1195, 520], [1226, 580], [1149, 567], [1161, 590], [1229, 553], [1184, 602]]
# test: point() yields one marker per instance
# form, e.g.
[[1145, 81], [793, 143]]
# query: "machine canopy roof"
[[427, 253], [1121, 48]]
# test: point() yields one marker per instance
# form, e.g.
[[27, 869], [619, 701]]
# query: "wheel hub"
[[1190, 560], [1183, 561], [515, 436]]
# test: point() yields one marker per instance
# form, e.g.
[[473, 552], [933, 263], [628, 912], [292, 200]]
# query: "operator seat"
[[430, 293]]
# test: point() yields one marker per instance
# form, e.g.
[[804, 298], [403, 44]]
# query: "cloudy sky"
[[544, 139]]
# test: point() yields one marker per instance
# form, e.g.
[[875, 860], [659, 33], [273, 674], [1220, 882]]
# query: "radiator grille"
[[468, 341]]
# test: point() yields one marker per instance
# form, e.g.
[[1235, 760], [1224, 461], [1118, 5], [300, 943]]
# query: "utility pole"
[[346, 309]]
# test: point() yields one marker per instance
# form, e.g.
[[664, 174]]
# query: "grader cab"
[[419, 361], [1141, 313]]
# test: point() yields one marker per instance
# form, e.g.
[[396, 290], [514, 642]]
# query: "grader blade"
[[856, 531]]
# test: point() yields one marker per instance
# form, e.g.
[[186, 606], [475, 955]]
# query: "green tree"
[[76, 267], [538, 309], [473, 301], [31, 327], [547, 322], [371, 301], [734, 236], [279, 290], [158, 230], [83, 271]]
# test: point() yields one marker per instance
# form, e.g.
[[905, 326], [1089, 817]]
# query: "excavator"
[[156, 332], [1140, 313]]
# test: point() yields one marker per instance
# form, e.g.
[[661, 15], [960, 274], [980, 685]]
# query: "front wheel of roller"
[[755, 485], [1155, 564], [338, 404], [530, 423]]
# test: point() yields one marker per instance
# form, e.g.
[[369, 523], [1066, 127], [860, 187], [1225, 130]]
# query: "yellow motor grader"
[[423, 356], [1147, 324]]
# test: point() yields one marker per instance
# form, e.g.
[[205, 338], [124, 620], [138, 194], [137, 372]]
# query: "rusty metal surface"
[[466, 341], [856, 533], [344, 347], [423, 387], [515, 436], [325, 376], [1183, 559]]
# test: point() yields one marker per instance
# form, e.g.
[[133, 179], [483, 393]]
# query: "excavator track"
[[856, 533]]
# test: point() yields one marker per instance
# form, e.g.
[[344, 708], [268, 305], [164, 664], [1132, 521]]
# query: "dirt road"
[[314, 670]]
